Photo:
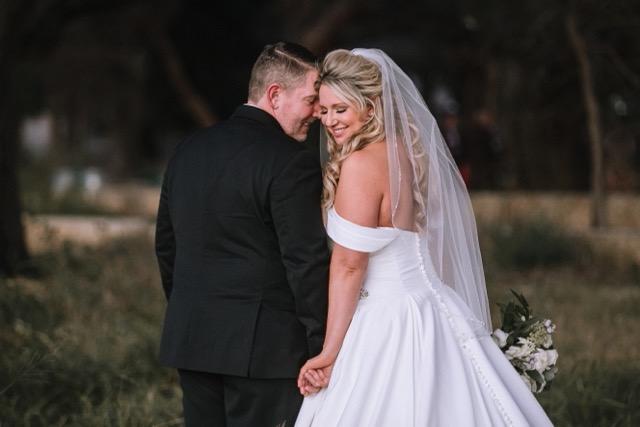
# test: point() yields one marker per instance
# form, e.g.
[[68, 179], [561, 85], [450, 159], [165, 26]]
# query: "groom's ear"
[[274, 90]]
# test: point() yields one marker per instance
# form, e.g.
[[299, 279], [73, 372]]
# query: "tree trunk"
[[598, 202], [13, 250]]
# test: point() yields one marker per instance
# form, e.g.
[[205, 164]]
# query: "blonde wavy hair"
[[359, 82]]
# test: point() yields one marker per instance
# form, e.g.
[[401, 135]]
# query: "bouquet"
[[527, 342]]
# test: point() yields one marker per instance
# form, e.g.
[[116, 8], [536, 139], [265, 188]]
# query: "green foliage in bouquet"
[[516, 317]]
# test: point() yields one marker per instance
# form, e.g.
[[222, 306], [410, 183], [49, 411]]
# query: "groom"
[[242, 252]]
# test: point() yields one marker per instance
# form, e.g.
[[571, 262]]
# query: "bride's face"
[[342, 119]]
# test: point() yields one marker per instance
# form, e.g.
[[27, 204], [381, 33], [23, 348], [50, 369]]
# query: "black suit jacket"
[[242, 251]]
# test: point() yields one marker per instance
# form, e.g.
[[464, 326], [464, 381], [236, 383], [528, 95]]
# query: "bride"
[[408, 332]]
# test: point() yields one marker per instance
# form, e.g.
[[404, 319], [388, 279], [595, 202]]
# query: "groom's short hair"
[[283, 63]]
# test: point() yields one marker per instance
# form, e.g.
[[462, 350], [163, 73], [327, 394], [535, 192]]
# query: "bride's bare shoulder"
[[370, 159], [365, 171], [360, 191]]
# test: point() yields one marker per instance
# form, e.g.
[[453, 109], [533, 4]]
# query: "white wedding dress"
[[411, 356]]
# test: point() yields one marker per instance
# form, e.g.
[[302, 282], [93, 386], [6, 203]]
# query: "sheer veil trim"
[[427, 192]]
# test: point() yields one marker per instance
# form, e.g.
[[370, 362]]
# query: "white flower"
[[550, 326], [541, 360], [548, 341], [500, 337], [524, 349], [515, 352]]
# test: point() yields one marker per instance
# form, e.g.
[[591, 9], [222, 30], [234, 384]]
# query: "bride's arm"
[[346, 274], [358, 199]]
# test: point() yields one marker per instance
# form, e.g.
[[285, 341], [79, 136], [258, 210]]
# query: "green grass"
[[595, 395], [598, 383], [79, 342], [593, 297], [533, 243]]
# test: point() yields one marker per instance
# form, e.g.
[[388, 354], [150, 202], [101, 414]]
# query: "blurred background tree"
[[109, 87]]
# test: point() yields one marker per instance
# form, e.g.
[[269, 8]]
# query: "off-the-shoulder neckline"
[[399, 230]]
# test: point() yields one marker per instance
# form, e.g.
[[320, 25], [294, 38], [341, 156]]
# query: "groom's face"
[[297, 106]]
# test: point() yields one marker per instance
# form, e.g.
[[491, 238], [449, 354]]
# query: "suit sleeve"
[[165, 241], [297, 217]]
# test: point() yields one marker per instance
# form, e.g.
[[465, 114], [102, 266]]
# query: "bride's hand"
[[314, 380], [315, 374]]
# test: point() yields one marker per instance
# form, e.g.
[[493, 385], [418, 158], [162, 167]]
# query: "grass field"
[[79, 341]]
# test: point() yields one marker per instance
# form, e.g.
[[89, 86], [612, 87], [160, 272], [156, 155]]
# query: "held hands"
[[315, 374]]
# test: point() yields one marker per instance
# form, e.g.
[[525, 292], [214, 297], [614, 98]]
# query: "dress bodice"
[[358, 237], [393, 254]]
